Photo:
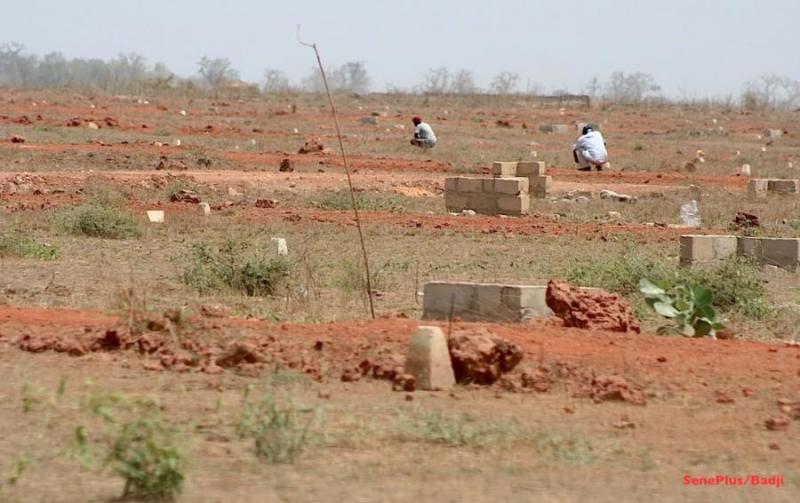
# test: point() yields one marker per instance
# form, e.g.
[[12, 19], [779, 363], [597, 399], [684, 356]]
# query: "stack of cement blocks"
[[488, 196], [484, 302], [539, 183], [762, 187], [779, 252]]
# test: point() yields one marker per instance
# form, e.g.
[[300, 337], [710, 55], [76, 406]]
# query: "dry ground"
[[707, 401]]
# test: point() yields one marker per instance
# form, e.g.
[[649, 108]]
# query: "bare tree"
[[594, 88], [463, 82], [353, 77], [216, 71], [437, 81], [275, 81], [772, 91], [504, 83], [630, 88]]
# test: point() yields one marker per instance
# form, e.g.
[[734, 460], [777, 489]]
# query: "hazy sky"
[[694, 47]]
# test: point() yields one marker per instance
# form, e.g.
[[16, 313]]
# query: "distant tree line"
[[130, 71]]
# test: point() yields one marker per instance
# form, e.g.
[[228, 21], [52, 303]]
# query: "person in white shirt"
[[590, 150], [423, 134]]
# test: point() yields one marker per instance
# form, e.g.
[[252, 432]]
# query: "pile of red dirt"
[[590, 308], [480, 357]]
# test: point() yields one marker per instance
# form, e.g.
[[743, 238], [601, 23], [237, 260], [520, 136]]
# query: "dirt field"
[[86, 318]]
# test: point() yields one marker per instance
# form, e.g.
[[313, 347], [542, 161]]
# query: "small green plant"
[[340, 200], [235, 268], [689, 307], [102, 220], [17, 245], [139, 445], [458, 430], [280, 428]]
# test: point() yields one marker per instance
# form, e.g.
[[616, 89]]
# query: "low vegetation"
[[235, 267], [101, 219], [340, 200], [688, 306], [15, 244]]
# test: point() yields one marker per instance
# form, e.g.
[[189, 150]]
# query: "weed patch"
[[100, 219], [15, 244], [340, 200]]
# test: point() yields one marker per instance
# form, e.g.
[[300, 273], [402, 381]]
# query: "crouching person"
[[423, 134], [590, 150]]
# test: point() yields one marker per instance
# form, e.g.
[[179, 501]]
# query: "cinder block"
[[514, 205], [780, 252], [488, 185], [504, 169], [783, 186], [555, 128], [511, 186], [773, 133], [454, 201], [696, 249], [482, 203], [156, 216], [531, 168], [540, 186], [441, 298], [474, 185], [428, 359], [749, 247], [204, 209], [451, 184], [528, 301], [758, 187], [489, 301]]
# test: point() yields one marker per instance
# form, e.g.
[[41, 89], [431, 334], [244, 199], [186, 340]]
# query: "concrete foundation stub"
[[698, 249], [531, 168], [504, 169], [428, 359], [757, 187]]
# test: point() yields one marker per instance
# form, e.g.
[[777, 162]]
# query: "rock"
[[481, 357], [612, 387], [722, 397], [214, 310], [311, 146], [266, 203], [185, 196], [373, 121], [614, 215], [590, 308], [614, 196], [92, 125], [777, 423], [286, 166], [17, 139], [233, 192], [237, 353], [428, 359], [744, 220], [404, 382], [537, 379]]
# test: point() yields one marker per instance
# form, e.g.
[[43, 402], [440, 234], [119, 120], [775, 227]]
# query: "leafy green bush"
[[280, 428], [734, 282], [17, 245], [340, 200], [689, 307], [137, 443], [236, 268], [102, 220]]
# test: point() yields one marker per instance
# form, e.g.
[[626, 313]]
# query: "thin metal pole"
[[347, 170]]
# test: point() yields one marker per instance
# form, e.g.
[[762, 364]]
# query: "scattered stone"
[[214, 310], [155, 216], [777, 423], [590, 308], [569, 409], [237, 353], [92, 125], [624, 424], [17, 139], [404, 382], [204, 162], [185, 196], [266, 203], [481, 357], [723, 397], [311, 146], [744, 220], [286, 166], [428, 359], [372, 121], [538, 379], [614, 196], [233, 192], [612, 387], [204, 209], [614, 215]]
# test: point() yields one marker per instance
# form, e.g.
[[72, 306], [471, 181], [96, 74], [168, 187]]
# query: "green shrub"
[[102, 220], [279, 427], [16, 245], [234, 268], [340, 200], [734, 282], [138, 444], [688, 306]]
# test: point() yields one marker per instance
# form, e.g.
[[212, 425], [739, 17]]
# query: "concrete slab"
[[698, 249]]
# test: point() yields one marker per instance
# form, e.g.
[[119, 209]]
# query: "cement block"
[[488, 185], [528, 301], [428, 359], [758, 187], [555, 128], [440, 298], [514, 205], [155, 216], [489, 302], [531, 168], [451, 184], [203, 209], [474, 185], [540, 186], [504, 169], [783, 186], [696, 249], [773, 133], [511, 186], [749, 247], [780, 252], [482, 203], [455, 201]]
